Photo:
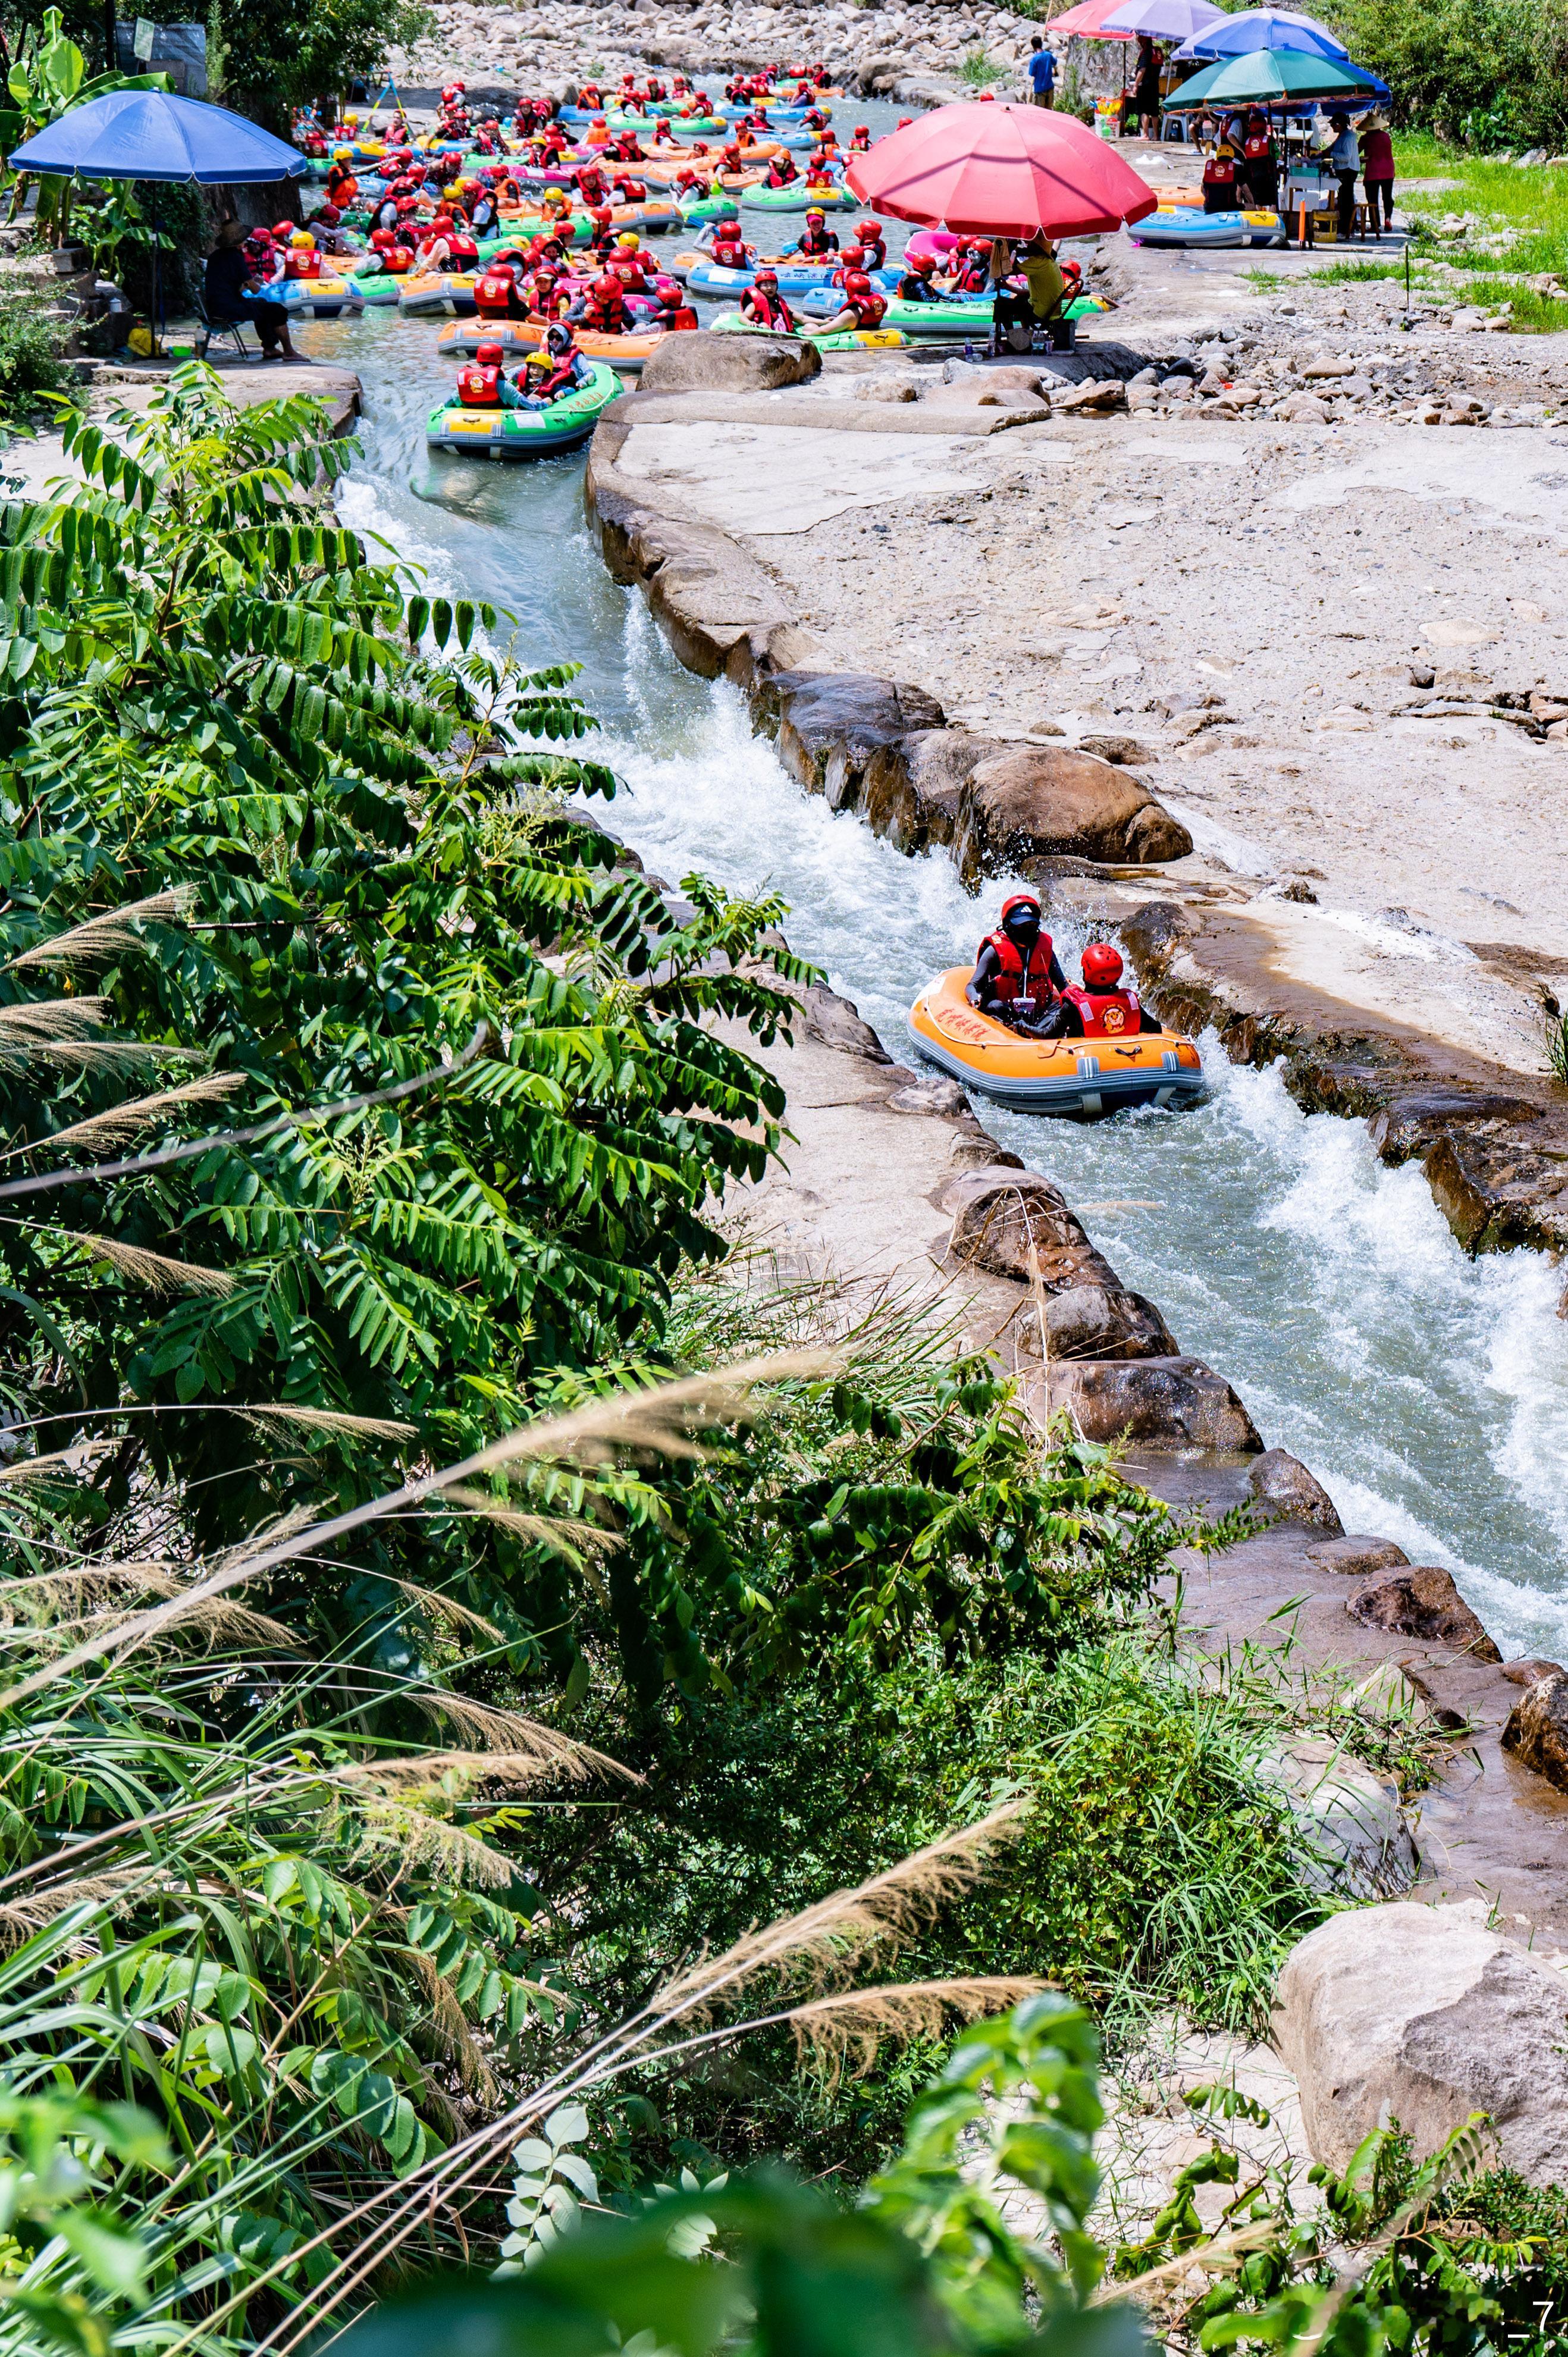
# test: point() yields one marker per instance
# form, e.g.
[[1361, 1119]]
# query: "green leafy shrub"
[[30, 363], [1494, 73]]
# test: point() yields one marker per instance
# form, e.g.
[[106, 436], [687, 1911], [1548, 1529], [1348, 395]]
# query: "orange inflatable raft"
[[1061, 1076]]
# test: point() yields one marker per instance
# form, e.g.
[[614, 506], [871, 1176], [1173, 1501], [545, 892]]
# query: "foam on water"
[[1428, 1391]]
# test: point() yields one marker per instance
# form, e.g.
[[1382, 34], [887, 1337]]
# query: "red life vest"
[[302, 265], [478, 388], [462, 250], [561, 378], [1011, 981], [591, 186], [493, 291], [1220, 171], [605, 314], [1259, 150], [868, 309], [730, 254], [1107, 1014], [768, 310], [781, 171]]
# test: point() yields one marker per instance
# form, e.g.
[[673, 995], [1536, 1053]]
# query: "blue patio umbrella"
[[1263, 28], [151, 134]]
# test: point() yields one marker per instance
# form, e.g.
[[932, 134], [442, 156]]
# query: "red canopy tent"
[[986, 170]]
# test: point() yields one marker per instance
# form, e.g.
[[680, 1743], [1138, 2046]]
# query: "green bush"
[[1492, 72], [30, 363]]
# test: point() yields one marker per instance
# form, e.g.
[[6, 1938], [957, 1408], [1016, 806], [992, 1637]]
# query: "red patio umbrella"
[[1088, 20], [1000, 171]]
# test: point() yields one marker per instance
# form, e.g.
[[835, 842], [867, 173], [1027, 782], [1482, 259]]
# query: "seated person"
[[1021, 310], [782, 172], [672, 310], [558, 369], [482, 384], [969, 268], [863, 305], [601, 307], [915, 285], [763, 304], [816, 242], [860, 139], [1017, 974], [233, 293], [496, 295], [1102, 1008]]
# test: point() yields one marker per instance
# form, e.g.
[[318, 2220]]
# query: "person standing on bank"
[[1345, 161], [1144, 101], [1378, 170], [1042, 71]]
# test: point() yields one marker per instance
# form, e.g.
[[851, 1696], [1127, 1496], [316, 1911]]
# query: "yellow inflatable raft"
[[1061, 1076]]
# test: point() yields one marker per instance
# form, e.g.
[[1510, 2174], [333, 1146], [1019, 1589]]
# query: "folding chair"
[[233, 329]]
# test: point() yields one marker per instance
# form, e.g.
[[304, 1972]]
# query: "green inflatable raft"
[[524, 432], [797, 198]]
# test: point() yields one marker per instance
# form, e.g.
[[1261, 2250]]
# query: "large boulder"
[[1089, 1321], [701, 362], [1422, 1601], [913, 784], [1537, 1729], [996, 1217], [1157, 1403], [1357, 1556], [1356, 1843], [830, 724], [1032, 801], [1422, 2015], [1289, 1493]]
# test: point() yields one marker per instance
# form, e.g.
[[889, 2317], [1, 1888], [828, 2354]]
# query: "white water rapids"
[[1427, 1391]]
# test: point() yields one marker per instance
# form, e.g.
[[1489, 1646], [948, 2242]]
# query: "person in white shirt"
[[1344, 160]]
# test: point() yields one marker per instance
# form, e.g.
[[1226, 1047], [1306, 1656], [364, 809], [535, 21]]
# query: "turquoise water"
[[1429, 1391]]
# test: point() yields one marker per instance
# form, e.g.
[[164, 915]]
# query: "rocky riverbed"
[[917, 50]]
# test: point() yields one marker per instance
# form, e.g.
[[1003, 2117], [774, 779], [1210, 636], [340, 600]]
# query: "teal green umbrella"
[[1272, 77]]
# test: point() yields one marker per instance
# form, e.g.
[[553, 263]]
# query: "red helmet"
[[491, 356], [285, 229], [1024, 905], [1101, 966], [923, 263], [868, 229], [606, 283], [863, 130], [767, 278], [856, 282]]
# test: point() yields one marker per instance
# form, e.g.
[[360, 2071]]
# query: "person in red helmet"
[[1101, 1007], [968, 270], [765, 306], [870, 245], [482, 384], [1018, 974], [860, 139], [629, 191], [730, 157], [601, 307], [496, 295], [863, 306], [916, 284], [816, 242], [727, 246], [672, 311]]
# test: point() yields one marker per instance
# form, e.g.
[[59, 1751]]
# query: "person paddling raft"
[[1017, 975]]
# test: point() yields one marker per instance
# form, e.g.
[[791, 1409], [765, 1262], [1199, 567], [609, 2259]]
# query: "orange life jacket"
[[478, 388]]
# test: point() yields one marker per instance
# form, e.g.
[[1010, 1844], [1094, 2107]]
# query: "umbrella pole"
[[155, 318]]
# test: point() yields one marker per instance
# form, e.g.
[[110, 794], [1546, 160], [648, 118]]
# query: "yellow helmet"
[[302, 239], [342, 155], [627, 237]]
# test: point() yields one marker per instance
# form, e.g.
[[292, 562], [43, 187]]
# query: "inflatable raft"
[[965, 315], [442, 290], [843, 340], [704, 278], [799, 197], [516, 336], [1060, 1076], [1186, 225], [319, 298], [523, 433]]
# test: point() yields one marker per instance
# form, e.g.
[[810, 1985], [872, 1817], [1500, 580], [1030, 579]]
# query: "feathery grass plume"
[[654, 1422], [415, 1838], [577, 1541], [110, 935], [115, 1891], [447, 1610], [93, 1055], [123, 1122], [509, 1735], [451, 2025], [855, 2021], [152, 1269], [462, 1770], [832, 1936], [51, 1019], [326, 1419]]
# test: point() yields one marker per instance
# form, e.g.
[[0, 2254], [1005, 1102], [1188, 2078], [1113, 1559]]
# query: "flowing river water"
[[1427, 1391]]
